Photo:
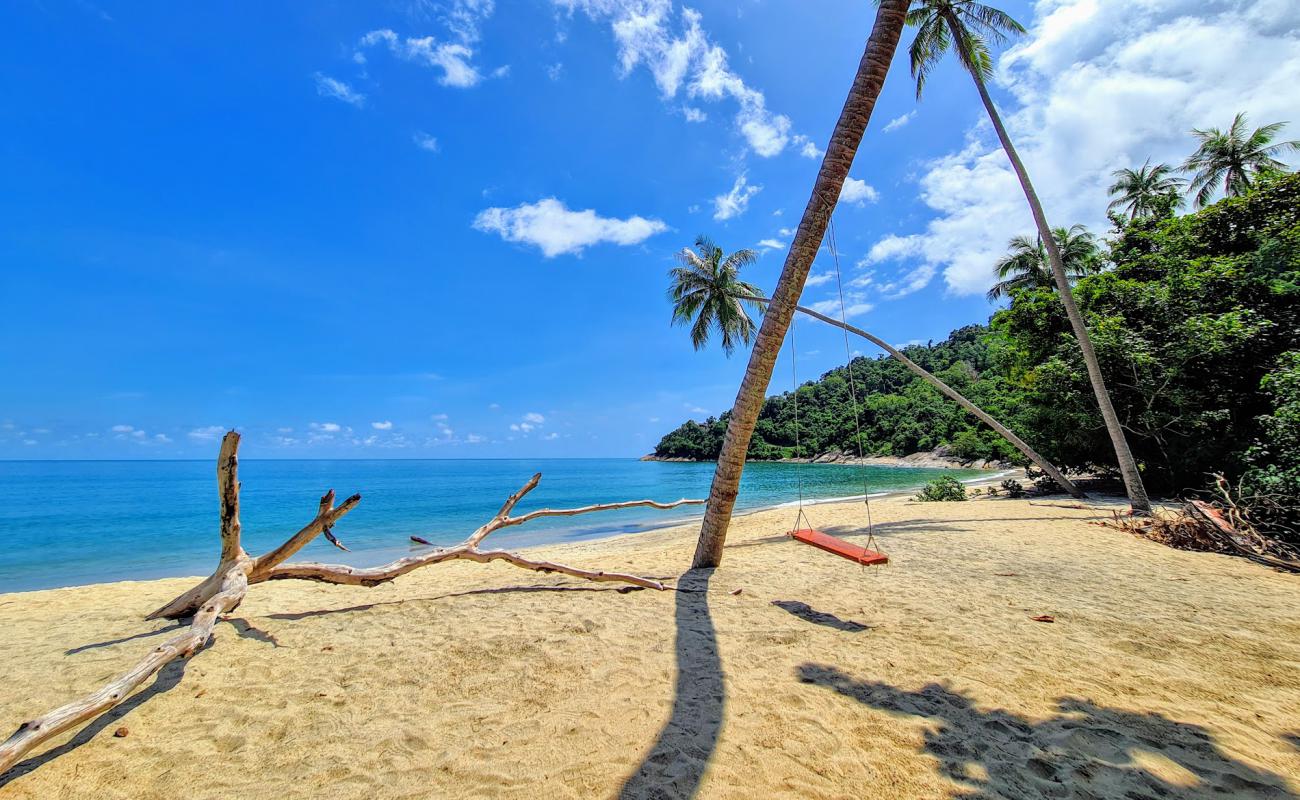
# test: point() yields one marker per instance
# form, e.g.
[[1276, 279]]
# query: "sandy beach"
[[785, 673]]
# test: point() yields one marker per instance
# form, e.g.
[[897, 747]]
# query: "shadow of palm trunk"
[[675, 765]]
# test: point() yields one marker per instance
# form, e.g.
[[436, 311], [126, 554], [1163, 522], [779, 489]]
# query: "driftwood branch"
[[236, 571], [469, 550]]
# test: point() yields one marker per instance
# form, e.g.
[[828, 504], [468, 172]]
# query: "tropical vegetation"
[[1196, 322], [967, 28], [1234, 159], [708, 295], [1025, 265]]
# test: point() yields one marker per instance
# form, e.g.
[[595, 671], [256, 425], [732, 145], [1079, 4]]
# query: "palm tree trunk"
[[1137, 493], [1005, 432], [845, 139]]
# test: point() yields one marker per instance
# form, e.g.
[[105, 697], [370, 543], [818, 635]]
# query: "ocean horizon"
[[74, 522]]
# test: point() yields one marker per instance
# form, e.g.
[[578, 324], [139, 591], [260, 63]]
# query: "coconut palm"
[[1146, 191], [692, 281], [967, 28], [1025, 265], [1234, 159], [708, 294], [843, 145]]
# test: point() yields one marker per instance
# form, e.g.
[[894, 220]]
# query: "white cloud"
[[326, 427], [856, 191], [819, 279], [382, 426], [735, 202], [551, 226], [465, 16], [694, 114], [425, 142], [162, 438], [1095, 86], [555, 71], [898, 122], [550, 437], [474, 438], [678, 53], [534, 417], [807, 147], [854, 306], [903, 282], [439, 417], [452, 58], [333, 87], [207, 433], [122, 428], [771, 244]]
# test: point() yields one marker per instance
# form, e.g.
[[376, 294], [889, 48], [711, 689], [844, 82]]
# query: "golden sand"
[[1165, 674]]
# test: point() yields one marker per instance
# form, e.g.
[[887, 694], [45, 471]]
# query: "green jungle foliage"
[[1196, 320]]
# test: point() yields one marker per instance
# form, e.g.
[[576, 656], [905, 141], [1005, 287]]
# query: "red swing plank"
[[841, 548]]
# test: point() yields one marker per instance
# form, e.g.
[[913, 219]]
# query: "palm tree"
[[1234, 159], [843, 145], [967, 27], [707, 293], [1026, 267], [1147, 191], [734, 293]]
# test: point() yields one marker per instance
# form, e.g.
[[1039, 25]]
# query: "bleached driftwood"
[[236, 571]]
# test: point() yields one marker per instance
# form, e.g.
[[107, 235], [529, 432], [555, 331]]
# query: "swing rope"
[[853, 392], [853, 396]]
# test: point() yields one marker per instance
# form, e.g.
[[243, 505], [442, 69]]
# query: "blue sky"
[[430, 229]]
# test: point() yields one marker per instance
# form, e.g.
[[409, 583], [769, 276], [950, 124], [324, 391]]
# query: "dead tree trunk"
[[224, 590]]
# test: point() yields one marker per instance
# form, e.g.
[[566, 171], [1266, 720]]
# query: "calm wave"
[[73, 522]]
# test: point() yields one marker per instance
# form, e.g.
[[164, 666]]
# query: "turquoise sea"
[[66, 523]]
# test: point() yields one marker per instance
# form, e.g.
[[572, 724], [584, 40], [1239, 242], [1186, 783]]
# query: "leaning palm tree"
[[843, 145], [1025, 265], [1234, 159], [1146, 191], [707, 295], [967, 27]]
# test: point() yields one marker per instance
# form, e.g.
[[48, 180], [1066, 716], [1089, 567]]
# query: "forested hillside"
[[1196, 320]]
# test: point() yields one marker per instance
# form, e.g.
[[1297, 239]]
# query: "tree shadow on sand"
[[1084, 751], [166, 680], [807, 613], [676, 762]]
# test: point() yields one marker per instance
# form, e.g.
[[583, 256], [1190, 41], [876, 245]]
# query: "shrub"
[[1043, 483], [1013, 488], [942, 489]]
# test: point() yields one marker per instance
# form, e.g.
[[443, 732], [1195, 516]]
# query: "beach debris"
[[737, 591], [225, 588], [1044, 618], [122, 732], [1223, 526], [421, 540]]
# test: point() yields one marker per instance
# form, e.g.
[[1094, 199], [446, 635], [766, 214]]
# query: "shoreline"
[[934, 459], [529, 542]]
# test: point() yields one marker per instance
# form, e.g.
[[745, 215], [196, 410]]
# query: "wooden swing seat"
[[841, 548]]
